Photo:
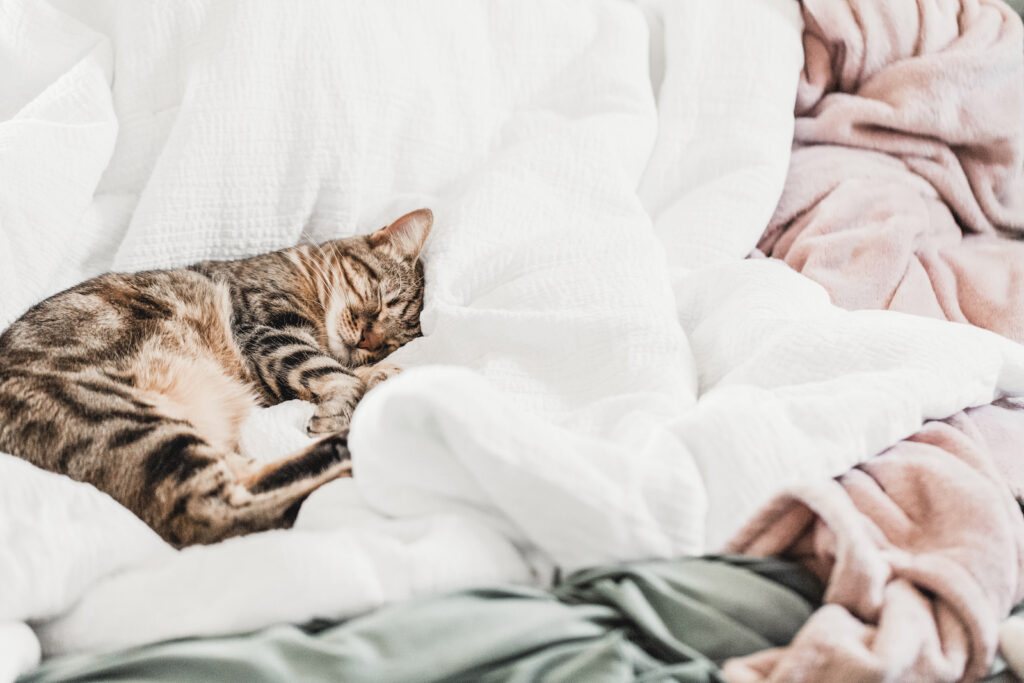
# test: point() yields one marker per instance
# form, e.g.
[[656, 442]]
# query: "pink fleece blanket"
[[906, 167], [922, 549], [905, 189]]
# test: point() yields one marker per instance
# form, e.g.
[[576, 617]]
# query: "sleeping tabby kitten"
[[139, 383]]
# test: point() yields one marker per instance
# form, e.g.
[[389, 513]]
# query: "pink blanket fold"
[[905, 185], [909, 134], [922, 549]]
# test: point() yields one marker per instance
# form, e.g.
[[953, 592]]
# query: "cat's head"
[[376, 297]]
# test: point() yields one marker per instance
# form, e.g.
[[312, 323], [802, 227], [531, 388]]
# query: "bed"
[[668, 313]]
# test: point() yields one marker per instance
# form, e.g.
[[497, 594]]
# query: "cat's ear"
[[404, 238]]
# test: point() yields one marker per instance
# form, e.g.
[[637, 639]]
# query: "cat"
[[138, 383]]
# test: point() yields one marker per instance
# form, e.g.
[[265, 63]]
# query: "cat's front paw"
[[372, 375], [334, 413], [319, 425]]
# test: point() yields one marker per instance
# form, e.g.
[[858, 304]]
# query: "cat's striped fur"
[[139, 383]]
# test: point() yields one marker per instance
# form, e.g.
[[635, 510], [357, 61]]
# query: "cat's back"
[[111, 317]]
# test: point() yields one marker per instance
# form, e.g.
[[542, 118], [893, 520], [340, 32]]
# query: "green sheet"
[[648, 621], [671, 620]]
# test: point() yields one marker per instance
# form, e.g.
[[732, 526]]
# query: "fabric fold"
[[921, 550], [906, 170], [905, 185]]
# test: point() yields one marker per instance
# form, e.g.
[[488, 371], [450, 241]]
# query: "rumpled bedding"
[[655, 620], [905, 174], [603, 375], [921, 549], [905, 193]]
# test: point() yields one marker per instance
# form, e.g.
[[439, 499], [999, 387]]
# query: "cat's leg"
[[334, 413], [336, 400], [372, 375], [179, 480], [218, 501], [191, 490], [289, 364]]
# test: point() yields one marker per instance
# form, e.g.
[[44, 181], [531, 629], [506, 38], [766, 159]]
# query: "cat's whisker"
[[320, 269], [319, 275], [319, 279], [314, 302]]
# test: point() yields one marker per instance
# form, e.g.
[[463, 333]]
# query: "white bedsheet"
[[602, 376]]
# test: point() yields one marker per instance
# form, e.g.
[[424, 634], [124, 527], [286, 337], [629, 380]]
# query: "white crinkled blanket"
[[602, 375]]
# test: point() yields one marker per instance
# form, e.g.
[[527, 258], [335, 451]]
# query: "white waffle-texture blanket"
[[603, 375]]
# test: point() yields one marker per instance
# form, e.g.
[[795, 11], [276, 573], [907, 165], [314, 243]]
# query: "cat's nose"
[[369, 340]]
